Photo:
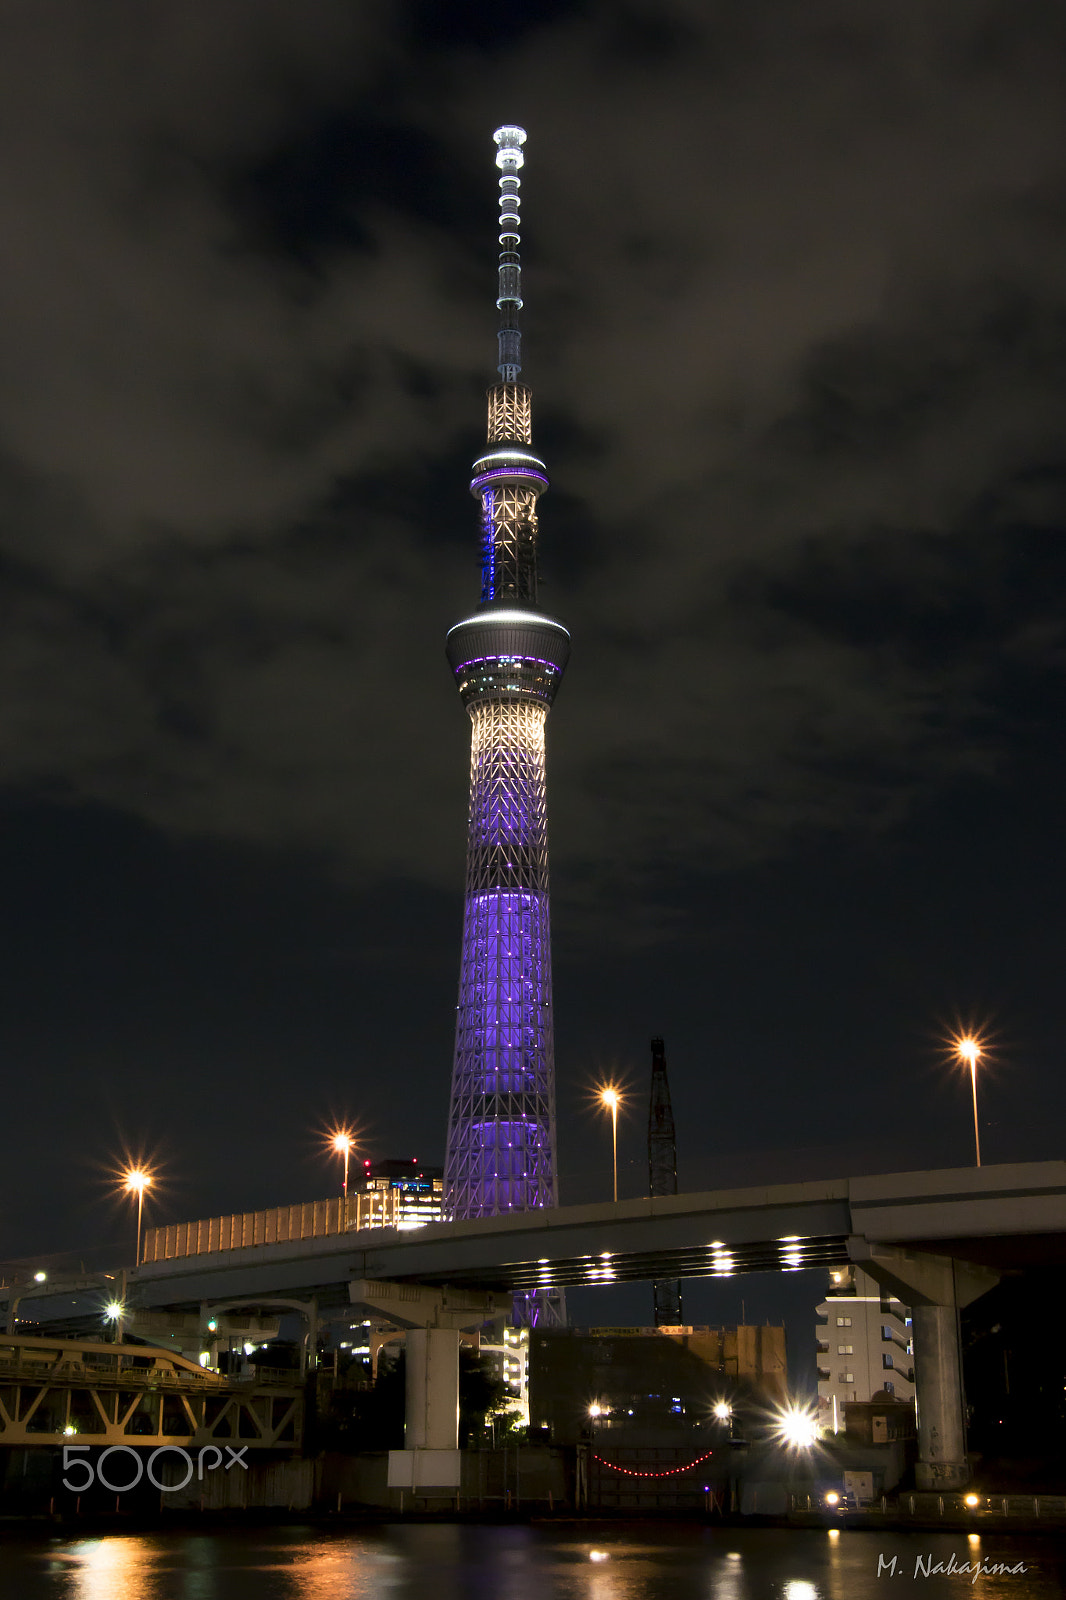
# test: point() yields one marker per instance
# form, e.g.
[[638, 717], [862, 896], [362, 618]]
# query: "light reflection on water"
[[450, 1562]]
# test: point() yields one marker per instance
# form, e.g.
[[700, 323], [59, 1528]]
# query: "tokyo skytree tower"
[[508, 659]]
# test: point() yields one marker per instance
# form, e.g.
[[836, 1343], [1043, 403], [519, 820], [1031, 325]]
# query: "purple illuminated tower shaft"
[[508, 659]]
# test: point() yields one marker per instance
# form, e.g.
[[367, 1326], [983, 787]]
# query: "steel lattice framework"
[[662, 1175], [53, 1390], [508, 659], [502, 1091]]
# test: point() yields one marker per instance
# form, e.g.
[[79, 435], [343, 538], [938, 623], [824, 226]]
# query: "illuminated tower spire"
[[508, 659]]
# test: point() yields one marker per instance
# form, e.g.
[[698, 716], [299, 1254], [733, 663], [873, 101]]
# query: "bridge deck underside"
[[694, 1261], [327, 1281]]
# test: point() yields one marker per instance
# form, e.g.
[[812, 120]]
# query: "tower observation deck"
[[508, 658]]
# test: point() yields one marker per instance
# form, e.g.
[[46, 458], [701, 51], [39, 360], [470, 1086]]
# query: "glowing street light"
[[796, 1428], [611, 1098], [136, 1181], [114, 1312], [343, 1144], [968, 1051], [723, 1410]]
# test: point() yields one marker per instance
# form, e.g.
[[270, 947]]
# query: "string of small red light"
[[671, 1472]]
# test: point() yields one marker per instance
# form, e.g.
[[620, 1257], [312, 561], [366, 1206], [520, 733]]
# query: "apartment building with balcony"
[[506, 1349], [864, 1344]]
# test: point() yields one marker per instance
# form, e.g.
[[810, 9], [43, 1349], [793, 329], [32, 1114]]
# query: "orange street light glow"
[[968, 1049], [135, 1180], [611, 1098], [342, 1140]]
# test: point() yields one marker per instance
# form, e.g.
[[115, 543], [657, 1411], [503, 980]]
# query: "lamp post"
[[114, 1312], [968, 1050], [342, 1143], [136, 1182], [610, 1098], [796, 1427]]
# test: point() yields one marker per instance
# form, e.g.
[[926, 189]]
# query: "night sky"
[[795, 279]]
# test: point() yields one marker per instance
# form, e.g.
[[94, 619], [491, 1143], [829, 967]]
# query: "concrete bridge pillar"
[[938, 1385], [936, 1288], [430, 1461], [431, 1420]]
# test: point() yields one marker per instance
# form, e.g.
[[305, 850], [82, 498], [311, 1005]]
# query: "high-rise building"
[[396, 1194], [864, 1344], [508, 658]]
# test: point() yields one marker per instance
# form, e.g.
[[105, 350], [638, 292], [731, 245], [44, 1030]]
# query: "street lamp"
[[610, 1098], [342, 1143], [722, 1412], [796, 1427], [968, 1050], [136, 1181], [114, 1312]]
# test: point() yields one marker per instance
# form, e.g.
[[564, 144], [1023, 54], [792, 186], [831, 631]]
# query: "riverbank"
[[1042, 1515]]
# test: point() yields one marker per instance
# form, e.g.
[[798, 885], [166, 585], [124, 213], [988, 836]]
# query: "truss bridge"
[[62, 1391]]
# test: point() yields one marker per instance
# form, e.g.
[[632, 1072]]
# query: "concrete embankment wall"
[[283, 1485], [520, 1477], [515, 1478]]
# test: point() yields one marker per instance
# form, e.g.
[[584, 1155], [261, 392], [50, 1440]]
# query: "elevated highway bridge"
[[936, 1238], [996, 1217]]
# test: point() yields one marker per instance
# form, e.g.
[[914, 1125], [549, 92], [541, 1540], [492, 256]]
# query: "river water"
[[541, 1562]]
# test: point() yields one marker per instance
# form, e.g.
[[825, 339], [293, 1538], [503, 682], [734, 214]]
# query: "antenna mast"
[[662, 1174], [509, 159]]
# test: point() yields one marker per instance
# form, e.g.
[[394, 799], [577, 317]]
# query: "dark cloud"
[[795, 325], [795, 288]]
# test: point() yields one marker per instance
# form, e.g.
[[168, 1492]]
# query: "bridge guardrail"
[[929, 1506], [309, 1219], [125, 1377]]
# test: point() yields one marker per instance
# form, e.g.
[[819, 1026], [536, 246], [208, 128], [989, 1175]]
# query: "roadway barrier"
[[310, 1220]]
